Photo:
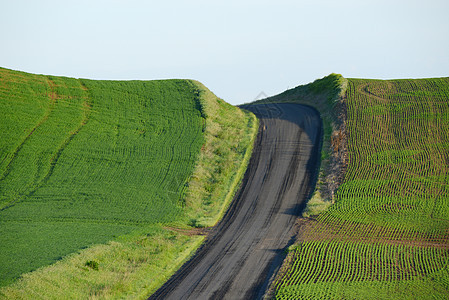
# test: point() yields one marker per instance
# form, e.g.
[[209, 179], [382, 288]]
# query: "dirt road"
[[243, 252]]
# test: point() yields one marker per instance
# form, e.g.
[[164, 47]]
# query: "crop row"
[[433, 286], [357, 261], [390, 220], [323, 270]]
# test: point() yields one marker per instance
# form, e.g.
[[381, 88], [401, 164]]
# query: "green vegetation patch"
[[399, 289], [128, 267], [104, 180], [230, 134], [394, 156], [95, 159], [386, 236]]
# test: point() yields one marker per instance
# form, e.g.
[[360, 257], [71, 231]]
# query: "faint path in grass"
[[53, 98], [364, 89], [86, 107], [244, 251]]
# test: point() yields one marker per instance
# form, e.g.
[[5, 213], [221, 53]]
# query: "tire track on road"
[[244, 251]]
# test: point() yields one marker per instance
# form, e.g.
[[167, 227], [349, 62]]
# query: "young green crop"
[[386, 236], [107, 172], [95, 160]]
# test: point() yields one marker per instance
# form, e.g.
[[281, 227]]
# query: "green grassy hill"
[[86, 163], [387, 234]]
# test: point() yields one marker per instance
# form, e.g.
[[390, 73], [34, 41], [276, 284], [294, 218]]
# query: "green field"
[[387, 234], [86, 163], [105, 186]]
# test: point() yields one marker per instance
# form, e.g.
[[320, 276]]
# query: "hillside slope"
[[84, 162], [386, 236]]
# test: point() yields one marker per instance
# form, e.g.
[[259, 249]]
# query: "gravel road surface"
[[244, 251]]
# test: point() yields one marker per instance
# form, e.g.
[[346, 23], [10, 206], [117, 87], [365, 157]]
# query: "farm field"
[[387, 234], [106, 186], [95, 173]]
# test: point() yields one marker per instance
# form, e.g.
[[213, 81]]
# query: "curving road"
[[244, 251]]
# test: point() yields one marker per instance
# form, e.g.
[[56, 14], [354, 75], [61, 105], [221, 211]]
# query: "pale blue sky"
[[236, 48]]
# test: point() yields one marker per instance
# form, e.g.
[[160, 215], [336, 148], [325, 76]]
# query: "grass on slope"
[[101, 159], [86, 162], [229, 139], [387, 234]]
